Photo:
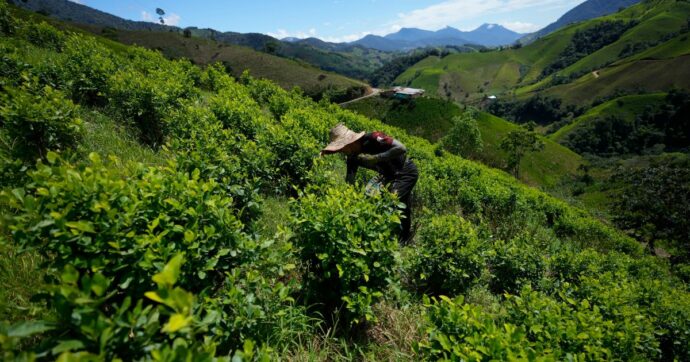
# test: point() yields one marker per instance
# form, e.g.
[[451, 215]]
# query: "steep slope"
[[285, 72], [589, 9], [649, 54]]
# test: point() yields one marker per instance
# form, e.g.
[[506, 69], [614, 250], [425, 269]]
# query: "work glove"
[[367, 160]]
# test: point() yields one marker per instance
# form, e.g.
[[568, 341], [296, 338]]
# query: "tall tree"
[[464, 138], [518, 143], [160, 13]]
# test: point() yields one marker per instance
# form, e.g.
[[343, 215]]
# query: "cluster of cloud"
[[170, 19], [455, 11], [282, 33], [313, 33]]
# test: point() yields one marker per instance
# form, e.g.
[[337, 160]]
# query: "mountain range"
[[489, 35]]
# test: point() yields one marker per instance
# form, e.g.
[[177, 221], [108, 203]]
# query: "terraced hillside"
[[650, 54]]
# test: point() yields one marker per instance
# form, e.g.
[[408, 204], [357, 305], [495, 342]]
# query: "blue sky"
[[340, 20]]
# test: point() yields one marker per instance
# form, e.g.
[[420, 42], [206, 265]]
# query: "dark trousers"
[[402, 184]]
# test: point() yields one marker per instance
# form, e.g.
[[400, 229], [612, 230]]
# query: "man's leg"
[[405, 181]]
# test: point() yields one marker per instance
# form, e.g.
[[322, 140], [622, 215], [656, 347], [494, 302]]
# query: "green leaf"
[[154, 297], [95, 158], [447, 300], [83, 226], [177, 321], [69, 345], [99, 284], [28, 328], [69, 275], [171, 271], [52, 157]]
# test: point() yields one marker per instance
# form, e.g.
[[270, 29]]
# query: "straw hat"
[[341, 136]]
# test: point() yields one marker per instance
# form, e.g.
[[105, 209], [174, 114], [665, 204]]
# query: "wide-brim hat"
[[341, 137]]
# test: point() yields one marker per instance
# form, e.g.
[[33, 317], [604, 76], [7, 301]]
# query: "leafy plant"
[[348, 246], [516, 263], [144, 99], [448, 255], [44, 35], [87, 66], [36, 120]]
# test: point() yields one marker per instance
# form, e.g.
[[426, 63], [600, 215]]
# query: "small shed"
[[402, 93], [407, 93]]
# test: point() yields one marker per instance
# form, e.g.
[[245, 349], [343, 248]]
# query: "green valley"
[[649, 56]]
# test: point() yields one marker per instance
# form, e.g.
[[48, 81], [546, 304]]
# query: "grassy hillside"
[[650, 55], [626, 107], [227, 237], [545, 169], [287, 73], [431, 119]]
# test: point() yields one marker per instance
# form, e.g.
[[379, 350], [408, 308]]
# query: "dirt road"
[[371, 93]]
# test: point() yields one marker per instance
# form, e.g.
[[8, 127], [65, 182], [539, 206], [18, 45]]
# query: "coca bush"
[[348, 246], [36, 120], [448, 256]]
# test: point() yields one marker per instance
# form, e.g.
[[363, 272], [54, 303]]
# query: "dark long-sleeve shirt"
[[389, 154]]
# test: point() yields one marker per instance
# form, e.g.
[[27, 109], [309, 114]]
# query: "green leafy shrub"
[[581, 328], [238, 113], [516, 263], [240, 167], [464, 138], [348, 246], [107, 235], [448, 255], [7, 22], [36, 120], [463, 332], [87, 65], [44, 35], [144, 99]]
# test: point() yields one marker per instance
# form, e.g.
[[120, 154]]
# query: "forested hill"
[[157, 210]]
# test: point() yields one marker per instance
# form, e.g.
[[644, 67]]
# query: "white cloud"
[[345, 38], [77, 1], [451, 12], [521, 27], [282, 33], [171, 19]]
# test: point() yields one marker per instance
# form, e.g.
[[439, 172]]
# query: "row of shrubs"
[[165, 262]]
